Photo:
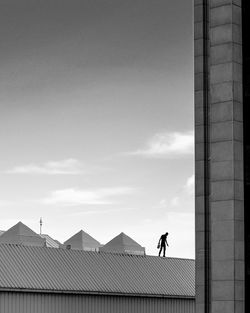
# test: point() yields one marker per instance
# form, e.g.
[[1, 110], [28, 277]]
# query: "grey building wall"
[[20, 302], [219, 191]]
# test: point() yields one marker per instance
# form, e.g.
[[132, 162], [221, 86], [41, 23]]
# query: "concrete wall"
[[219, 157]]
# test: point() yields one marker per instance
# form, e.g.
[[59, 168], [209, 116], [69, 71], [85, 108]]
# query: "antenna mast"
[[41, 224]]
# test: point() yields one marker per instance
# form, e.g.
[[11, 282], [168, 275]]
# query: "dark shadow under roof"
[[75, 271]]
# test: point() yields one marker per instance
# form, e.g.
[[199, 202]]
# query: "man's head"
[[166, 234]]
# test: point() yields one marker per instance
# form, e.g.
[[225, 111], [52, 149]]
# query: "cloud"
[[163, 203], [101, 211], [4, 203], [63, 167], [167, 145], [185, 196], [73, 197], [175, 202], [189, 186]]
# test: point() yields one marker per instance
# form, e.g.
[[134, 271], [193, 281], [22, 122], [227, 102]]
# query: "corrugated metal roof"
[[92, 272], [50, 242], [123, 244], [82, 241], [1, 232]]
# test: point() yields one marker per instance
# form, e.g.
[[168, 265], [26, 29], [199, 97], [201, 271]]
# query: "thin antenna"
[[41, 224]]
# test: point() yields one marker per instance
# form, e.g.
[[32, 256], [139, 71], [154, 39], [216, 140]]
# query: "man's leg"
[[164, 250], [160, 251]]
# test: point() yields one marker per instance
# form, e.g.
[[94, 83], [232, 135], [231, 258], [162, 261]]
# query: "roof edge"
[[171, 257], [92, 293]]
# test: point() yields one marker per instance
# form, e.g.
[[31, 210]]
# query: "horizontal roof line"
[[76, 292]]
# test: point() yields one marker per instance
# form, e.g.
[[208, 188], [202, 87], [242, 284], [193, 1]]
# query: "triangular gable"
[[82, 241], [21, 234], [123, 244]]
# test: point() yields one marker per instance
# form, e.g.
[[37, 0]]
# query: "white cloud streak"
[[189, 186], [175, 202], [101, 211], [63, 167], [74, 197], [4, 203], [167, 145], [185, 195]]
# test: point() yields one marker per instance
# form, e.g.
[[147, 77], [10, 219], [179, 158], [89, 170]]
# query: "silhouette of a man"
[[162, 244]]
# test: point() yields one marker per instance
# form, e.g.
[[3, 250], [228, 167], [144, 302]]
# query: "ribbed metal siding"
[[71, 270], [14, 302]]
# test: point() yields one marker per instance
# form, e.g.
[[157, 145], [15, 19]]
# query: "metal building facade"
[[73, 271], [33, 302], [49, 280]]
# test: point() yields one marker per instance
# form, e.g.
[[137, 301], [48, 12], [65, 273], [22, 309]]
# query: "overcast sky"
[[96, 123]]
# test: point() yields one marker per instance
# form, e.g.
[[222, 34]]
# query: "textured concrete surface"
[[225, 162]]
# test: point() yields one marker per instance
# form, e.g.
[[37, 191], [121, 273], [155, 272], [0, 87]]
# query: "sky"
[[96, 123]]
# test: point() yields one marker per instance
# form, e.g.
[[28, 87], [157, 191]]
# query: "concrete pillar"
[[219, 157], [200, 99]]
